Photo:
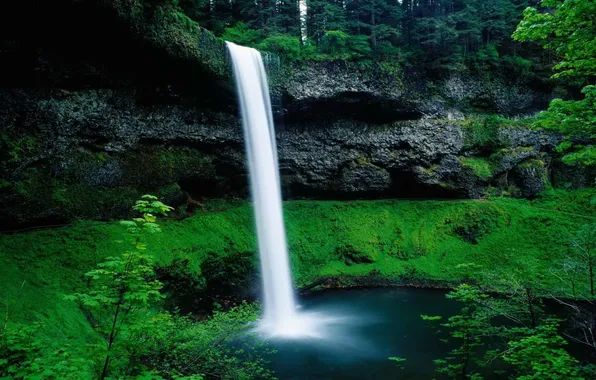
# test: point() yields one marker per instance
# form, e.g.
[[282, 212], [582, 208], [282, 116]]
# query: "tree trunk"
[[592, 280], [531, 307], [111, 338]]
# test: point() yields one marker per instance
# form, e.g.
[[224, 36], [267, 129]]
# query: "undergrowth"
[[441, 241]]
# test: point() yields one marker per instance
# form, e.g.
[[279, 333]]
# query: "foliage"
[[23, 356], [287, 46], [467, 329], [399, 362], [334, 42], [132, 337], [123, 291], [409, 241], [217, 347], [575, 119], [481, 167], [441, 35], [519, 238], [339, 45], [536, 351], [568, 29], [481, 133], [242, 35], [583, 252], [540, 354]]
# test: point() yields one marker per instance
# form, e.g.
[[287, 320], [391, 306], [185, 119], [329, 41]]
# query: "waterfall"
[[259, 134]]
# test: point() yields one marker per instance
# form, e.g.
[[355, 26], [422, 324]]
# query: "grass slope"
[[427, 240]]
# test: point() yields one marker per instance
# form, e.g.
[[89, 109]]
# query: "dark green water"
[[371, 326]]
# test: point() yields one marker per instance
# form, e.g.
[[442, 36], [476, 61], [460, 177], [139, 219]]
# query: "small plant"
[[23, 356], [399, 362], [123, 291]]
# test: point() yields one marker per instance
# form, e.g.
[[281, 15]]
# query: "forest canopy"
[[443, 34]]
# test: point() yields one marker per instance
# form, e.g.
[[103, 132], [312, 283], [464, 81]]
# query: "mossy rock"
[[532, 177], [103, 185], [480, 166], [351, 256], [474, 223]]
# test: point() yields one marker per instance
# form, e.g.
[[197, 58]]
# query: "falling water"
[[259, 134]]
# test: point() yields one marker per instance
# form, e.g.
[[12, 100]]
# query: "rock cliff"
[[151, 108]]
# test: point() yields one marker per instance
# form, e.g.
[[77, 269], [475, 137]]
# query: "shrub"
[[334, 42], [337, 44], [242, 35], [217, 346], [359, 46], [286, 46]]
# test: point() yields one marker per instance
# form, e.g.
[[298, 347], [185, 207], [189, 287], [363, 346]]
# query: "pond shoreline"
[[373, 280]]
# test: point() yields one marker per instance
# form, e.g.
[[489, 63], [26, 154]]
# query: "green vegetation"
[[119, 330], [122, 291], [567, 28], [480, 166], [445, 34], [482, 131], [435, 243], [425, 241], [112, 181], [510, 328]]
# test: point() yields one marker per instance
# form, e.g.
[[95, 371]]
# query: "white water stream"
[[280, 314]]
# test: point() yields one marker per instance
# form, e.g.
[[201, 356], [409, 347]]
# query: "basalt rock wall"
[[151, 108]]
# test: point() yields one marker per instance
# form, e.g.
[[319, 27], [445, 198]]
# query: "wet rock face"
[[89, 153], [356, 179], [531, 178], [83, 133], [385, 94]]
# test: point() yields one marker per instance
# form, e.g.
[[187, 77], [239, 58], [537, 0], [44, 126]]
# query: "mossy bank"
[[211, 257]]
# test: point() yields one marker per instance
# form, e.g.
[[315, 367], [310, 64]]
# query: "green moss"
[[579, 202], [40, 193], [532, 164], [472, 224], [481, 167], [43, 192], [164, 25], [481, 132], [505, 153], [428, 242], [156, 166], [15, 148], [431, 169]]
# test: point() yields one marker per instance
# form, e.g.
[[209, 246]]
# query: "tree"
[[576, 273], [540, 354], [324, 16], [576, 119], [467, 328], [583, 250], [520, 303], [568, 28], [533, 347], [123, 291]]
